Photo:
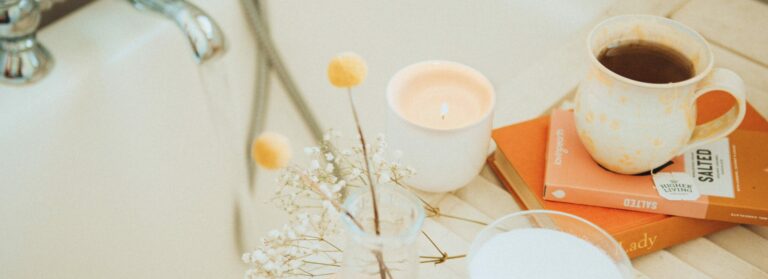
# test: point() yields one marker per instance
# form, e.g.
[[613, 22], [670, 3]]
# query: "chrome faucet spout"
[[23, 59], [204, 35]]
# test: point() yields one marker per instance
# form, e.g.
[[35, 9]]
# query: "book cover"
[[520, 164], [729, 174]]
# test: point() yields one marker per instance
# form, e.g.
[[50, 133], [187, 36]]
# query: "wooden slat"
[[745, 244], [448, 242], [640, 275], [488, 198], [437, 271], [662, 265], [662, 8], [715, 261], [451, 205], [430, 198], [738, 25], [535, 90], [490, 176], [754, 76], [760, 230], [556, 74]]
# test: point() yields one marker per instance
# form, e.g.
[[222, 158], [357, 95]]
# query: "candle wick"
[[443, 110]]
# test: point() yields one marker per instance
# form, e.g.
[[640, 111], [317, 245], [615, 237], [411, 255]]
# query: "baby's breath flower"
[[310, 195], [314, 165], [247, 258], [384, 177], [328, 206]]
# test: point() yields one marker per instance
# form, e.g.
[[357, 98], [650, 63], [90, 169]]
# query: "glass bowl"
[[546, 244]]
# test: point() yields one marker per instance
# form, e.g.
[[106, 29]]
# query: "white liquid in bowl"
[[541, 253]]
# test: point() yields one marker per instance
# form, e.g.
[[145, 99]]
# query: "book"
[[724, 180], [519, 162]]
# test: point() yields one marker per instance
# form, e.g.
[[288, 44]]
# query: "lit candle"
[[444, 110], [440, 118]]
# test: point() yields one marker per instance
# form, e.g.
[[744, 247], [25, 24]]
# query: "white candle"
[[540, 253], [440, 118]]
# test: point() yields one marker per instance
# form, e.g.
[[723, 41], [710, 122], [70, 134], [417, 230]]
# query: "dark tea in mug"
[[648, 62]]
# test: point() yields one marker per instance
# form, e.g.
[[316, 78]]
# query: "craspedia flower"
[[271, 150], [347, 70]]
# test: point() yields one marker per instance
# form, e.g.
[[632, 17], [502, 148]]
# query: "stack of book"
[[544, 165]]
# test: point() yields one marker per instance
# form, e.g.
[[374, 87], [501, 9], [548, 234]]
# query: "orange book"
[[725, 179], [520, 164]]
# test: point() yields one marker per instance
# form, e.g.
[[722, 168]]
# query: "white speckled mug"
[[630, 126]]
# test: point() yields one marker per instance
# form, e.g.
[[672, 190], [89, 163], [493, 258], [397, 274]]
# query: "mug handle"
[[720, 80]]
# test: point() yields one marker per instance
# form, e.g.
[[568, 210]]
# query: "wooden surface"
[[736, 30]]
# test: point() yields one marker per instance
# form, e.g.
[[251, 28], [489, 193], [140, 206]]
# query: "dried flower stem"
[[371, 183], [439, 260], [440, 214], [327, 180], [323, 264], [333, 202], [383, 270], [433, 243], [435, 211]]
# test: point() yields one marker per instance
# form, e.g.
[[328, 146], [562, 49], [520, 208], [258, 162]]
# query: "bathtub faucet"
[[22, 58], [203, 33]]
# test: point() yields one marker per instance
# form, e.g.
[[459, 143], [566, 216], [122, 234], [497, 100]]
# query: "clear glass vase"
[[392, 252]]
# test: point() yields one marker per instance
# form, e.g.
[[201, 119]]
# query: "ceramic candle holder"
[[440, 117]]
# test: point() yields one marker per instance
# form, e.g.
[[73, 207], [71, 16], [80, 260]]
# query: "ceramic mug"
[[631, 127]]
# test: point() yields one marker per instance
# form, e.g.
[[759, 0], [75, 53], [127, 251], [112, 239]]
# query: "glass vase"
[[393, 251]]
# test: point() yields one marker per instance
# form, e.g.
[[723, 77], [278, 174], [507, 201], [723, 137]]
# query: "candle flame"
[[443, 110]]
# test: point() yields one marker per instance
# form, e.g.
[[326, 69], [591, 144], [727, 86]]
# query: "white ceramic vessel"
[[112, 165], [446, 156], [630, 126]]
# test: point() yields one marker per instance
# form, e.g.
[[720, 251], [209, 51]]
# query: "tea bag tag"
[[676, 186]]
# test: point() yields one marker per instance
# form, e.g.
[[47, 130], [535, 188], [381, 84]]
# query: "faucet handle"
[[22, 58]]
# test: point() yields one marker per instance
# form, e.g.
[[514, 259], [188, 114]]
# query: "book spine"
[[647, 238], [626, 201], [717, 211], [651, 237], [655, 204]]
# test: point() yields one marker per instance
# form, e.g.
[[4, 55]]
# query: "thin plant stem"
[[439, 214], [319, 263], [333, 202], [407, 188], [433, 243], [371, 184], [436, 210], [442, 259], [331, 244], [383, 271], [310, 275]]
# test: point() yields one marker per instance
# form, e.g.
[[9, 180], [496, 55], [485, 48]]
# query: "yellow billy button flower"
[[271, 150], [347, 70]]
